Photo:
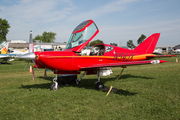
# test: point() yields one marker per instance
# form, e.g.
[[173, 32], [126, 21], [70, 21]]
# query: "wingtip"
[[162, 61], [158, 61]]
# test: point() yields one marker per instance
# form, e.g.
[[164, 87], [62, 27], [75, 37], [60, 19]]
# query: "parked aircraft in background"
[[4, 56], [18, 52], [8, 54], [100, 60], [158, 51]]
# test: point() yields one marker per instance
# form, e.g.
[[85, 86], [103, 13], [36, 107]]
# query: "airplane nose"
[[27, 57]]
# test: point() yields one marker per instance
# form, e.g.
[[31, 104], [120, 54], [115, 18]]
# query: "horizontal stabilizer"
[[158, 56]]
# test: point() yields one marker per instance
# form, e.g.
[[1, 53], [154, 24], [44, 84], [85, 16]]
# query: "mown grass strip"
[[144, 92]]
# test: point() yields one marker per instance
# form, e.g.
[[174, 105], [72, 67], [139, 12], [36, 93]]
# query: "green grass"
[[144, 92]]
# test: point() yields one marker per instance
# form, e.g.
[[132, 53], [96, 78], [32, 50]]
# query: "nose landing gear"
[[54, 85]]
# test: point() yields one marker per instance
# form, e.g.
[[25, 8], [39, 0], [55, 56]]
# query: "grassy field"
[[144, 92]]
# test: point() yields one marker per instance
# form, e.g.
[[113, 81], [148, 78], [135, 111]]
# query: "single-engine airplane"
[[102, 56]]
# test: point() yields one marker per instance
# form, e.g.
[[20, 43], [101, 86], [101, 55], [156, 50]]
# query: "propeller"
[[35, 65], [28, 57]]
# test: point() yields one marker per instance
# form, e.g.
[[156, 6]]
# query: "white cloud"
[[37, 11], [30, 14]]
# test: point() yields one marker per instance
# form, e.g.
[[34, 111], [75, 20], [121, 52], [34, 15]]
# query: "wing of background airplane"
[[3, 56], [122, 64], [7, 57]]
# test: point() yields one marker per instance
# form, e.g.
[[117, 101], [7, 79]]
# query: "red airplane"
[[102, 56]]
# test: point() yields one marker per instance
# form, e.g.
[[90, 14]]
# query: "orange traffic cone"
[[176, 60], [30, 69]]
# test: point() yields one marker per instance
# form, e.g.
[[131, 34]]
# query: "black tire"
[[53, 87], [99, 85]]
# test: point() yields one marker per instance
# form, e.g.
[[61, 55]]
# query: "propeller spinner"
[[28, 57]]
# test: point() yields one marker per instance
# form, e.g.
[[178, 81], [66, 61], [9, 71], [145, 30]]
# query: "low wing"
[[3, 56], [123, 64], [7, 57]]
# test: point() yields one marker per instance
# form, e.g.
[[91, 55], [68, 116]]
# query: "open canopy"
[[82, 35]]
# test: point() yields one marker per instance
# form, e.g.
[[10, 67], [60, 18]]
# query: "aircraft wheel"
[[99, 85], [53, 87]]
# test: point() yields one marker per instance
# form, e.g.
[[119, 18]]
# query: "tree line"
[[131, 45], [48, 37]]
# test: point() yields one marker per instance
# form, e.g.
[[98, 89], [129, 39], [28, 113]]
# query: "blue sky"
[[117, 20]]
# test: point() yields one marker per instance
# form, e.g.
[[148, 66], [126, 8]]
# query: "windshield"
[[81, 37]]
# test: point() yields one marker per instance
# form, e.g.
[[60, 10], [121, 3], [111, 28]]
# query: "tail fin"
[[31, 45], [4, 50], [4, 47], [148, 45]]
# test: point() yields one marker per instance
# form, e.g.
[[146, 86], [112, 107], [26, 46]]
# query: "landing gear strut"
[[54, 85], [78, 80], [99, 85]]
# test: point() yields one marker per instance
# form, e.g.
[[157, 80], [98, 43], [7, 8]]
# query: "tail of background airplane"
[[148, 45], [31, 45], [4, 47]]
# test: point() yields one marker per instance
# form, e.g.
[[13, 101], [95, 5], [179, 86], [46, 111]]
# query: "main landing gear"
[[98, 84], [78, 80]]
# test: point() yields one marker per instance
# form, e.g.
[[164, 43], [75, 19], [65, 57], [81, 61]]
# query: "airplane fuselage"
[[70, 61]]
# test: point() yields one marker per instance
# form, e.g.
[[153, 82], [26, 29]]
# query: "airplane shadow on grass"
[[88, 84], [5, 63]]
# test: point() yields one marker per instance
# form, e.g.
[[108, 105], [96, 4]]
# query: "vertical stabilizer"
[[148, 45], [4, 47], [4, 50]]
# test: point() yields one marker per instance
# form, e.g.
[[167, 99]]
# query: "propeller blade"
[[26, 66], [35, 65]]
